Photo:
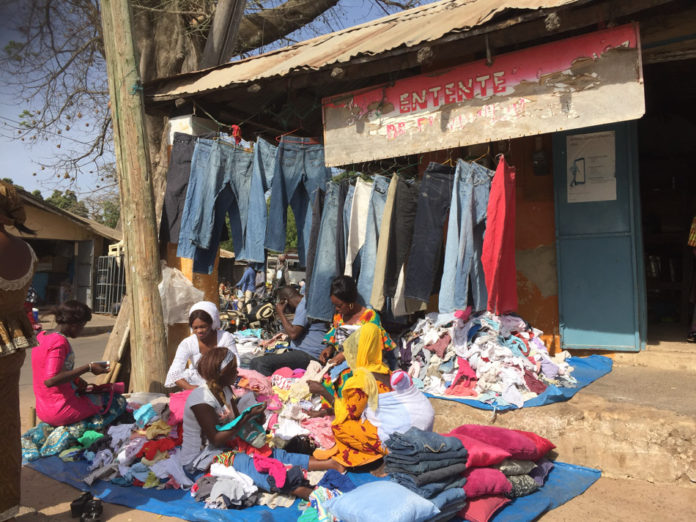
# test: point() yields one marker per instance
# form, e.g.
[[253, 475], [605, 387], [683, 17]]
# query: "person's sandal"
[[93, 511], [77, 506]]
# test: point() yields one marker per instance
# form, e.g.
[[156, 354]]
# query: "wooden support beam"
[[148, 341]]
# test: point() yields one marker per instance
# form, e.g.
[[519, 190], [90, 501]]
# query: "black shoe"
[[93, 511], [691, 338], [77, 506]]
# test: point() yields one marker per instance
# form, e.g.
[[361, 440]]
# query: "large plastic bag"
[[178, 295]]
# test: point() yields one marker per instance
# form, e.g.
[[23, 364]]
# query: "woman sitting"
[[214, 403], [350, 316], [204, 320], [61, 394], [374, 404]]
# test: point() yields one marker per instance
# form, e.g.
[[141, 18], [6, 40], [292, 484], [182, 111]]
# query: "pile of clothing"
[[500, 359], [431, 466]]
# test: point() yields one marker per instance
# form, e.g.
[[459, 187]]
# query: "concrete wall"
[[54, 226]]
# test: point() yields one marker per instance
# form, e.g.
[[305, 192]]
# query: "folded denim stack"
[[430, 465]]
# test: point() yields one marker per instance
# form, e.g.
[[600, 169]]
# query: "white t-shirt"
[[194, 440], [188, 351]]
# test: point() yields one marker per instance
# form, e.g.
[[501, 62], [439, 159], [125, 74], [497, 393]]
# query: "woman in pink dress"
[[56, 379]]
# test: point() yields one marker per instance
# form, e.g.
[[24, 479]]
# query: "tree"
[[37, 194], [56, 65], [67, 200]]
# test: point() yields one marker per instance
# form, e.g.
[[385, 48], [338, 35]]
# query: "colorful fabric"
[[692, 234], [368, 316]]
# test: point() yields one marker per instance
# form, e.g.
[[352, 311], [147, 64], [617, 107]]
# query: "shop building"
[[592, 102]]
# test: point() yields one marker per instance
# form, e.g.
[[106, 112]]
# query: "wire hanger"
[[281, 136]]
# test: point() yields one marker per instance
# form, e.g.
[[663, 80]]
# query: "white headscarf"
[[211, 309], [228, 359]]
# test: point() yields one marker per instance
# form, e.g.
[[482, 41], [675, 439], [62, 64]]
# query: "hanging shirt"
[[248, 280]]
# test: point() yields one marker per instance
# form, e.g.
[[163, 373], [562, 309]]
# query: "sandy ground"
[[46, 499]]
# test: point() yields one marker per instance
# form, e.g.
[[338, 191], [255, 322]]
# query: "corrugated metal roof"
[[408, 28]]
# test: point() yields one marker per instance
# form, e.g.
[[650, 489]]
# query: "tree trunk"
[[148, 342]]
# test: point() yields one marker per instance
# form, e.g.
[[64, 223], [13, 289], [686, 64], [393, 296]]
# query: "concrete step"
[[668, 356], [636, 422]]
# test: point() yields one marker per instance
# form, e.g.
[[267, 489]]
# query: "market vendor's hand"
[[312, 414], [256, 410], [338, 359], [280, 306], [325, 354], [315, 387], [98, 368]]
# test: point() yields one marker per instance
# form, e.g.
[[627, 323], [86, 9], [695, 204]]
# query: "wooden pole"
[[147, 340]]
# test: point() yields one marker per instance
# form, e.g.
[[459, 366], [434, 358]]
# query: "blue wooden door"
[[601, 281]]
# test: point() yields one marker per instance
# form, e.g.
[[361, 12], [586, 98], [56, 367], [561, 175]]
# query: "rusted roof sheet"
[[408, 28]]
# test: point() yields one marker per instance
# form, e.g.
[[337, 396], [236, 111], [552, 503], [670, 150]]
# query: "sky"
[[19, 160]]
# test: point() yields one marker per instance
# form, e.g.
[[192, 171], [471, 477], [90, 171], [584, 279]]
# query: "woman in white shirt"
[[204, 320]]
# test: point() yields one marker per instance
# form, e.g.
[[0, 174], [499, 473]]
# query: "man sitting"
[[305, 336]]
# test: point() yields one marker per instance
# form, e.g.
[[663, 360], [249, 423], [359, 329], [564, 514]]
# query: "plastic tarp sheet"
[[586, 371], [564, 482]]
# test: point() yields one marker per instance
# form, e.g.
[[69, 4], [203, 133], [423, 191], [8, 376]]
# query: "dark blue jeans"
[[319, 304], [299, 172], [425, 256], [467, 224], [415, 442]]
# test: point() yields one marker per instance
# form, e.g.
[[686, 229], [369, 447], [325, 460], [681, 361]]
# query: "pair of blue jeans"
[[368, 252], [245, 464], [319, 304], [425, 255], [431, 489], [299, 172], [416, 444], [464, 244], [263, 168], [223, 186]]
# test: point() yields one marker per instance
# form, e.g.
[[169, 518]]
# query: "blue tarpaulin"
[[586, 370], [564, 482]]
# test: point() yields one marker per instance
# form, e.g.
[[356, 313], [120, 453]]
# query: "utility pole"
[[147, 336]]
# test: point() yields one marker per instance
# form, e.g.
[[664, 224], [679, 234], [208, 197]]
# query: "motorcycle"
[[257, 313]]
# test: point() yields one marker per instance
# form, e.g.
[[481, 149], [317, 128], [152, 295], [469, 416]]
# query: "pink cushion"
[[482, 509], [485, 481], [519, 446], [543, 446], [480, 453]]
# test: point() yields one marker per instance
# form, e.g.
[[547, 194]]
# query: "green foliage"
[[37, 194], [290, 234], [68, 201], [9, 180], [110, 212]]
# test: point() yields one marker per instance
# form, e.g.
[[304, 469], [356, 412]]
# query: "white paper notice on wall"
[[591, 167]]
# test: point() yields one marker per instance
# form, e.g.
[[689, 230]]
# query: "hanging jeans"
[[224, 190], [317, 208], [498, 256], [319, 304], [358, 223], [347, 207], [263, 166], [340, 227], [178, 175], [377, 299], [299, 171], [426, 248], [194, 194], [401, 232], [368, 257], [465, 230]]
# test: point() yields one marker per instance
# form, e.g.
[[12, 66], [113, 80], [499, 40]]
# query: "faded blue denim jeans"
[[194, 193], [299, 171], [224, 190], [261, 179], [415, 442], [368, 254], [319, 304], [466, 228]]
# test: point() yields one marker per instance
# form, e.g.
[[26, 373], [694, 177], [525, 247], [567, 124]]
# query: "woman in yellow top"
[[357, 440]]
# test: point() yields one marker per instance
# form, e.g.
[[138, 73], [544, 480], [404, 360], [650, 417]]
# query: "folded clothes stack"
[[430, 465]]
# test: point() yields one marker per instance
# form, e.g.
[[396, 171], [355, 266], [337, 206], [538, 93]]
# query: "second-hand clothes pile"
[[492, 358]]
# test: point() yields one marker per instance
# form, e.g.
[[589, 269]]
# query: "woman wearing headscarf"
[[214, 419], [374, 403], [17, 263], [204, 320]]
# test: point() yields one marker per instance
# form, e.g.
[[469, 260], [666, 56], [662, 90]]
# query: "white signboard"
[[591, 167]]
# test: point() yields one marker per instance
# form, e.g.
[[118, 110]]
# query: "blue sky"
[[19, 160]]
